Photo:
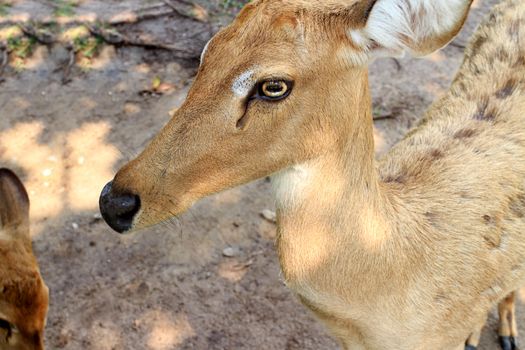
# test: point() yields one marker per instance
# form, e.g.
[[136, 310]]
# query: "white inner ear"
[[204, 50], [394, 22]]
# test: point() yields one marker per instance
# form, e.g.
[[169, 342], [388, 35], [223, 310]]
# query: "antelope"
[[24, 296], [406, 252]]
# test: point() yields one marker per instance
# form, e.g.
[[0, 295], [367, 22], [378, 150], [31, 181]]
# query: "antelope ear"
[[417, 26], [14, 204]]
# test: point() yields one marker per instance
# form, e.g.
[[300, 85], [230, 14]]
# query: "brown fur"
[[23, 293], [406, 253]]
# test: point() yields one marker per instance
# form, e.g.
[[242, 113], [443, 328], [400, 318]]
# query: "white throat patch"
[[289, 184]]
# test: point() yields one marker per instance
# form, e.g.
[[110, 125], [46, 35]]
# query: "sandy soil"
[[169, 287]]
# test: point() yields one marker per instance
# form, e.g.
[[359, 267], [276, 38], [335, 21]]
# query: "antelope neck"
[[333, 207]]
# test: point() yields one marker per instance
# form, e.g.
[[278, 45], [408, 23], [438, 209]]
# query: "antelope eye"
[[274, 89], [8, 328]]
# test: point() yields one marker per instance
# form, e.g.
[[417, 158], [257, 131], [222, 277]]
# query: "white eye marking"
[[243, 84]]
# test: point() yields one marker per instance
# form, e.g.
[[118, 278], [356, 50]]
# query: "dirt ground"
[[67, 129]]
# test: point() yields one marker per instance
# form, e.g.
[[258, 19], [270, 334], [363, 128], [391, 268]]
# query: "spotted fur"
[[408, 252]]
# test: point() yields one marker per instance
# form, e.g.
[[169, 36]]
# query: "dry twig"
[[384, 116], [113, 37], [69, 66], [42, 36], [397, 63], [142, 14], [4, 58], [458, 45], [189, 9]]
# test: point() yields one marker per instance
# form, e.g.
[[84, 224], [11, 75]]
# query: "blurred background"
[[84, 85]]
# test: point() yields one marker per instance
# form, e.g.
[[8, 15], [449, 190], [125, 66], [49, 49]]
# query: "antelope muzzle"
[[118, 209]]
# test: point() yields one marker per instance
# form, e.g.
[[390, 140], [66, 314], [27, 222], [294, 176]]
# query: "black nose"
[[118, 209]]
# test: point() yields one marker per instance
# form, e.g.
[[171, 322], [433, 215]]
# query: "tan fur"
[[23, 293], [406, 253], [507, 315]]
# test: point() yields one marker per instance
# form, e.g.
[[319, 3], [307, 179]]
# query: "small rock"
[[46, 172], [136, 325], [164, 87], [75, 226], [131, 108], [97, 216], [269, 215], [229, 252]]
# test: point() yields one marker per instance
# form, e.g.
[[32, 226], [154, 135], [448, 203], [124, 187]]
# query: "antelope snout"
[[117, 209]]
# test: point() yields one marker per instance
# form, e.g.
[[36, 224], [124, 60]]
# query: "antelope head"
[[284, 83], [23, 293]]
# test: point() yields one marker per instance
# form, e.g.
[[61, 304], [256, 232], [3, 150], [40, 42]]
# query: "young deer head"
[[285, 83], [23, 293]]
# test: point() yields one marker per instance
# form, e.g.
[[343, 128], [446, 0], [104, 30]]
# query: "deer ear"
[[417, 26], [14, 204]]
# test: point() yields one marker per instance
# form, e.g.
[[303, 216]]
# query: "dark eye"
[[8, 328], [274, 89]]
